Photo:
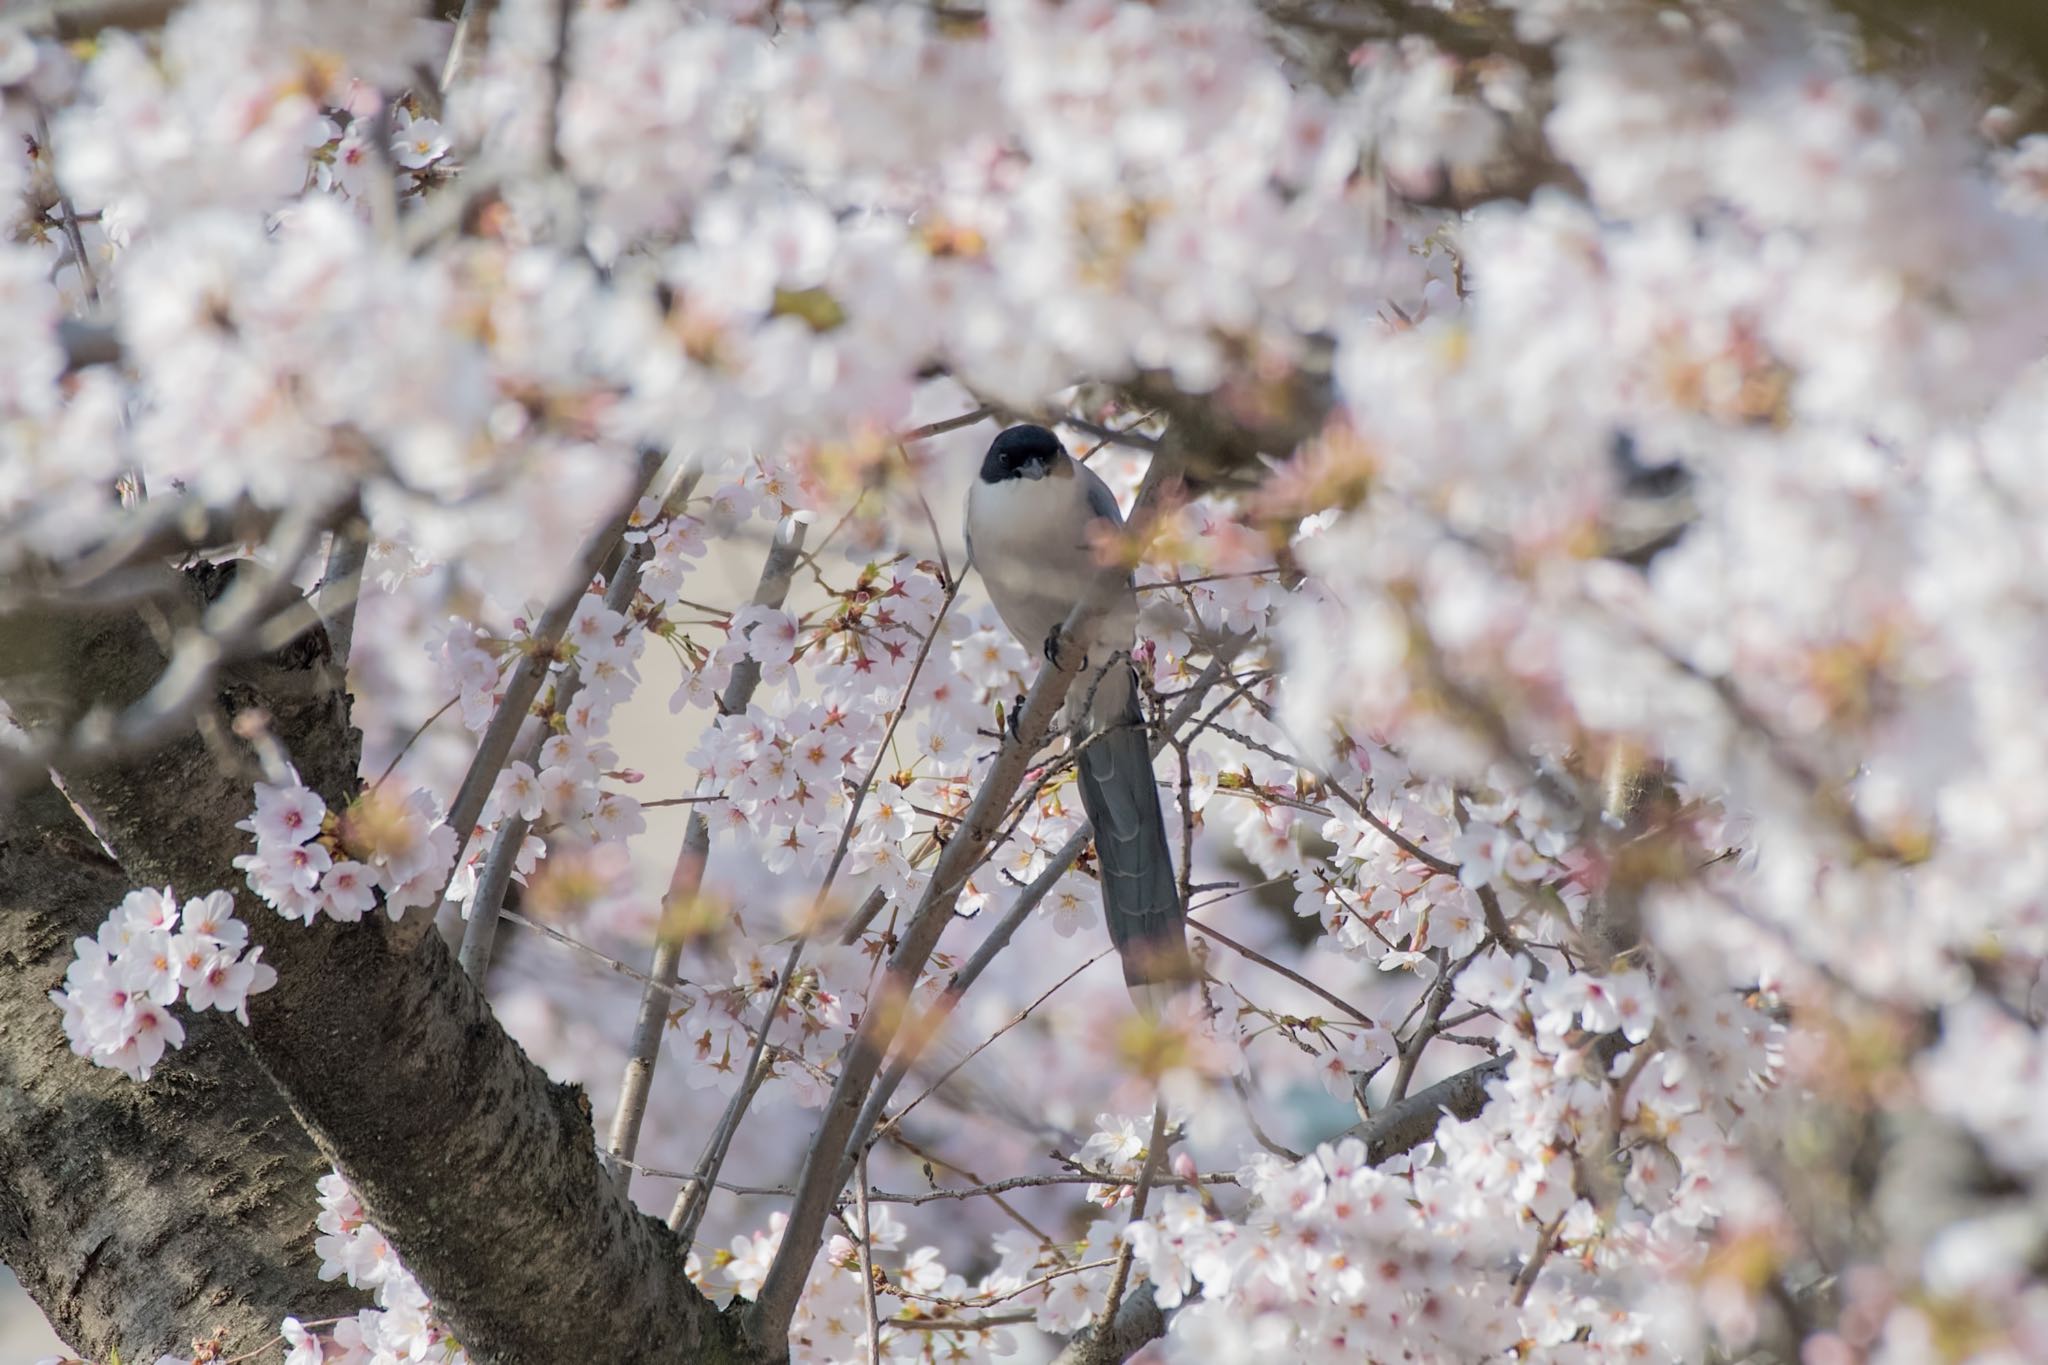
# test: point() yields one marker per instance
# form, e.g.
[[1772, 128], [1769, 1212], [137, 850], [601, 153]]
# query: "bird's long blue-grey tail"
[[1140, 898]]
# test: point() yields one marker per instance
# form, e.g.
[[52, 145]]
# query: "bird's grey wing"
[[1101, 501]]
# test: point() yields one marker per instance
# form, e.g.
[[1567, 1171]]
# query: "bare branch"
[[480, 932], [341, 585], [770, 590], [867, 1265], [472, 33], [524, 685], [1408, 1123], [1438, 999], [1546, 1240], [494, 881], [70, 20]]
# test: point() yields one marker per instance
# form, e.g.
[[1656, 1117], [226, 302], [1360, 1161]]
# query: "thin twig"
[[981, 1300], [1296, 977], [1546, 1239], [867, 1265], [279, 1340], [471, 32], [931, 521], [413, 739], [602, 958], [981, 1323], [931, 1158], [1251, 1119], [1358, 807], [1113, 436], [68, 215], [1079, 1176], [940, 428], [954, 1070], [1154, 1150]]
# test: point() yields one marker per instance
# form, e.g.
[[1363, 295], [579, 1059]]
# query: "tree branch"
[[495, 748], [1408, 1123], [70, 20], [480, 932], [341, 585], [771, 590], [1138, 1320]]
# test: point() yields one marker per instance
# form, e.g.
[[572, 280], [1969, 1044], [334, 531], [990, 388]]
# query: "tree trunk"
[[139, 1217], [482, 1172]]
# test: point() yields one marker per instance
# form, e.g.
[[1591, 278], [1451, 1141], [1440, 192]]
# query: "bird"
[[1034, 517]]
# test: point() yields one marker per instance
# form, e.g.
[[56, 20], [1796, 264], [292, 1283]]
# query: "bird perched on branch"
[[1031, 519]]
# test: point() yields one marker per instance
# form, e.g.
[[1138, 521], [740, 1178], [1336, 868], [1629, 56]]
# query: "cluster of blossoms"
[[308, 863], [401, 1328], [150, 953], [1607, 1155], [346, 158], [913, 1289]]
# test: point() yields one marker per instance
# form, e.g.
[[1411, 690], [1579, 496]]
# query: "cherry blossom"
[[1623, 683], [120, 985]]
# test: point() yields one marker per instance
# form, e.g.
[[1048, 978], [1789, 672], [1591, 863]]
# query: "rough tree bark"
[[139, 1217], [482, 1172]]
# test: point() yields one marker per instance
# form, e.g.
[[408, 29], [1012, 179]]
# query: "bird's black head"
[[1025, 452]]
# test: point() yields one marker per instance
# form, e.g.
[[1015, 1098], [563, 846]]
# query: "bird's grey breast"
[[1032, 547]]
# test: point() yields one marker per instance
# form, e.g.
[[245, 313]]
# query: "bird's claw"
[[1052, 649]]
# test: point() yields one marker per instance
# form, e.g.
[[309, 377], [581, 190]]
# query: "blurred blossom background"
[[1583, 461]]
